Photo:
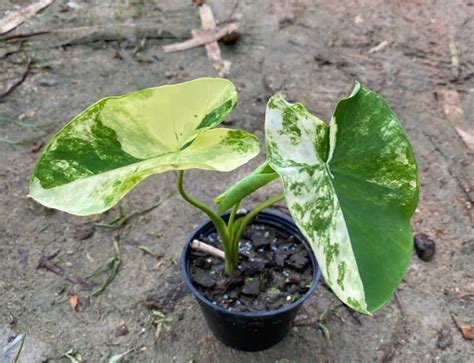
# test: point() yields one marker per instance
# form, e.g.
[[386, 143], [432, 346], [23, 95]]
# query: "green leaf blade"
[[386, 158], [351, 190], [213, 150], [380, 182], [103, 153]]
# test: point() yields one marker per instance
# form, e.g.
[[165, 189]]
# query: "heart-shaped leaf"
[[351, 187], [105, 151]]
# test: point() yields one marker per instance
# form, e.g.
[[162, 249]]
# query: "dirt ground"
[[418, 54]]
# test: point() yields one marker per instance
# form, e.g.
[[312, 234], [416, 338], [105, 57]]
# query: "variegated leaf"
[[105, 151], [351, 187]]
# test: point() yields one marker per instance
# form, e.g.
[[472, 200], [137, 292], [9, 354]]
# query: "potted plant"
[[351, 187]]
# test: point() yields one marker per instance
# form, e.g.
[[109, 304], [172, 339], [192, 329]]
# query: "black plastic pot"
[[250, 331]]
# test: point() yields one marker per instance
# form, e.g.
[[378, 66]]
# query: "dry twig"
[[19, 81], [204, 247], [454, 50], [89, 34], [12, 20], [46, 262], [204, 37], [383, 44], [213, 51]]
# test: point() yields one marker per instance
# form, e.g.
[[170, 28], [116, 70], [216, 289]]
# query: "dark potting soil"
[[274, 270]]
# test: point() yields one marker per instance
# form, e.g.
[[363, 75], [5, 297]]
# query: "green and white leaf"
[[261, 176], [351, 187], [109, 148]]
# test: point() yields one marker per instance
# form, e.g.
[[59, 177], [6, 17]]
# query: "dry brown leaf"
[[12, 20], [467, 332], [73, 301]]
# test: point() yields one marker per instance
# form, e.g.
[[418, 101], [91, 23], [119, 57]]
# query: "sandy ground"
[[417, 54]]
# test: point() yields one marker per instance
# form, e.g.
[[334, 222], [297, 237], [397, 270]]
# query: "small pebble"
[[84, 231], [231, 38], [73, 5], [117, 55], [424, 246], [47, 82], [121, 330], [169, 75]]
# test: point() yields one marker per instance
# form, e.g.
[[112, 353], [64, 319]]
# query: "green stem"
[[248, 218], [234, 253], [218, 222], [232, 214], [229, 265], [231, 232]]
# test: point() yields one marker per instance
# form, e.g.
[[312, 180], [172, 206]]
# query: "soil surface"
[[274, 270], [417, 54]]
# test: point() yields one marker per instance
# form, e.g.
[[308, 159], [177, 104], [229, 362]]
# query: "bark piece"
[[12, 20]]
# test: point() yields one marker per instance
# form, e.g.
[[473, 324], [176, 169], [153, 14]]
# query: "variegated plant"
[[105, 151], [350, 185]]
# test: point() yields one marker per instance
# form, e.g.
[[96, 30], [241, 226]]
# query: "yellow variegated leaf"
[[105, 151]]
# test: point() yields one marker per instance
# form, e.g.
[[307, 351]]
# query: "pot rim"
[[256, 314]]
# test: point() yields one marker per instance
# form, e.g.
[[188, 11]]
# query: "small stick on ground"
[[51, 38], [213, 51], [205, 37], [19, 81], [46, 263], [122, 219], [454, 50], [19, 36], [379, 47], [204, 247], [16, 18]]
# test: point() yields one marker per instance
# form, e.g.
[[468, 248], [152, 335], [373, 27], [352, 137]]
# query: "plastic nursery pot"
[[250, 331]]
